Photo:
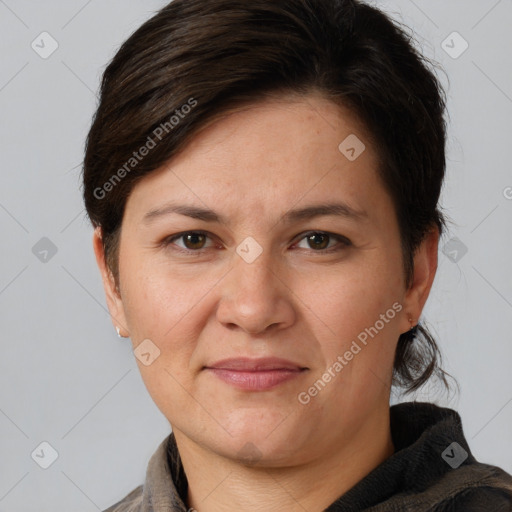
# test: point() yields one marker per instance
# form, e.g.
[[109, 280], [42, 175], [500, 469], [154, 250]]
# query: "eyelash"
[[345, 242]]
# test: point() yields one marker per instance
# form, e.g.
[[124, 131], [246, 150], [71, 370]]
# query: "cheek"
[[163, 308], [171, 313], [349, 299], [159, 301], [358, 326]]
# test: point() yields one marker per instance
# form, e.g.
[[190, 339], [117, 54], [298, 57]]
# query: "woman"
[[263, 178]]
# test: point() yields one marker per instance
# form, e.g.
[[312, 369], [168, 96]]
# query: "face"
[[261, 278]]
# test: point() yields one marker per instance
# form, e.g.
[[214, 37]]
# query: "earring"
[[411, 322]]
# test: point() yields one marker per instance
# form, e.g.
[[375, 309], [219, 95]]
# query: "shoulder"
[[488, 488], [130, 503], [479, 499], [472, 487]]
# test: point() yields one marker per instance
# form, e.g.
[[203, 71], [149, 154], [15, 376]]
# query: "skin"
[[294, 301]]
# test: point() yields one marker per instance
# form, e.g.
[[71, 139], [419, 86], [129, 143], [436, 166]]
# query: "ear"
[[425, 267], [113, 296]]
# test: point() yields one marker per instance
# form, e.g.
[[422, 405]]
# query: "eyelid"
[[344, 241]]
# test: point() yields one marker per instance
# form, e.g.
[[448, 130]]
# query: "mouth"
[[255, 374]]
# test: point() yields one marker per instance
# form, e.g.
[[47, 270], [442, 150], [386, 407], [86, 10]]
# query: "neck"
[[218, 484]]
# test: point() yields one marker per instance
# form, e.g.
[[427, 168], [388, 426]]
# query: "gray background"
[[66, 378]]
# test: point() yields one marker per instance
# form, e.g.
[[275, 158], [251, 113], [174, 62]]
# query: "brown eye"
[[318, 240], [194, 240], [191, 241]]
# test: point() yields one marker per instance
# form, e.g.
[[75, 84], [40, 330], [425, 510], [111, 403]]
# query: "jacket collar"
[[415, 477]]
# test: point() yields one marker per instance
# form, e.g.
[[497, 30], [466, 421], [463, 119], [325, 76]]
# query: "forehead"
[[275, 153], [303, 128]]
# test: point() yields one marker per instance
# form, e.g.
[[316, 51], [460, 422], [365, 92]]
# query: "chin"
[[262, 436], [261, 452]]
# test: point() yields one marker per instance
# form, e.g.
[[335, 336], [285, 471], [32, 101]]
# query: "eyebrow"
[[207, 215]]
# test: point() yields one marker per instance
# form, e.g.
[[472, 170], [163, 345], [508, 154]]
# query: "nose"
[[256, 297]]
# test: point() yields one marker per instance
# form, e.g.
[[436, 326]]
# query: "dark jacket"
[[431, 470]]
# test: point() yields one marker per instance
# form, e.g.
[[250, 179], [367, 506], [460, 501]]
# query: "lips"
[[255, 374], [254, 365]]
